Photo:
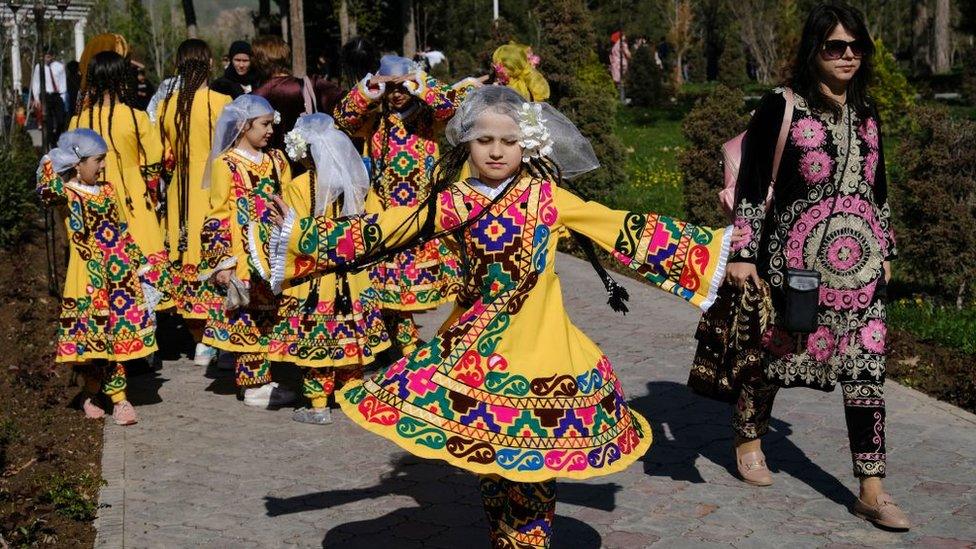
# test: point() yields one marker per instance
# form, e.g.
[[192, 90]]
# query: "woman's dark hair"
[[359, 57], [193, 63], [110, 77], [804, 77]]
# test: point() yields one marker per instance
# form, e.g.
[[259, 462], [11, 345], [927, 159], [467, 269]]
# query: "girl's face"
[[259, 131], [840, 56], [398, 97], [497, 154], [90, 168]]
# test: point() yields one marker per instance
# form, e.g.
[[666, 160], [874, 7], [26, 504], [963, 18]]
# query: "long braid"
[[194, 73]]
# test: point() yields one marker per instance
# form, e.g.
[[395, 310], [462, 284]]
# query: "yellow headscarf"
[[511, 62], [108, 41]]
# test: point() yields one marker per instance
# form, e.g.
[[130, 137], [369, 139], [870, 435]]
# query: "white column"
[[80, 37], [15, 69], [495, 10]]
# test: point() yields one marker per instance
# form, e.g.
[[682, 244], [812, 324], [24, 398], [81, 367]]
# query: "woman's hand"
[[738, 235], [279, 211], [738, 274], [222, 278], [887, 271]]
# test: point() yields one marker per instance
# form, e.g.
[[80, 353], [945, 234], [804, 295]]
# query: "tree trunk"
[[347, 23], [941, 38], [409, 30], [921, 59], [296, 19], [190, 14]]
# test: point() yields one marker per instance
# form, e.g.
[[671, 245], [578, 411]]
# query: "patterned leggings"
[[519, 514], [318, 384], [253, 369], [103, 376], [864, 409]]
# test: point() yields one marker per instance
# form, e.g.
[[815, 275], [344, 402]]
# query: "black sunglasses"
[[835, 49]]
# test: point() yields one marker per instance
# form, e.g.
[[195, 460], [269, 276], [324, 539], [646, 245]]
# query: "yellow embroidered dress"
[[207, 106], [133, 163], [234, 235], [317, 334], [104, 311], [401, 149], [512, 387]]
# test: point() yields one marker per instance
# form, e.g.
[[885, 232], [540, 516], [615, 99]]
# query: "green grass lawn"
[[653, 140], [946, 326]]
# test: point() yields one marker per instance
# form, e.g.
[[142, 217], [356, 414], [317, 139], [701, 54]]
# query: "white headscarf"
[[339, 168], [544, 131], [73, 147], [231, 123]]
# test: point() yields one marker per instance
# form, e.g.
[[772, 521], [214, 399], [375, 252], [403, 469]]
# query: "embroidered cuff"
[[719, 275], [225, 263], [372, 92], [279, 248]]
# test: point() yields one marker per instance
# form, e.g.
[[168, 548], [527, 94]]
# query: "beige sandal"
[[885, 513], [753, 470]]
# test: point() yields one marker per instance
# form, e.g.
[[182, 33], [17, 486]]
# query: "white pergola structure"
[[14, 21]]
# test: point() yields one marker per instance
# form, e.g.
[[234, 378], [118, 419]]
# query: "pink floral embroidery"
[[869, 132], [809, 133], [842, 345], [820, 344], [871, 167], [873, 336], [742, 223], [815, 166]]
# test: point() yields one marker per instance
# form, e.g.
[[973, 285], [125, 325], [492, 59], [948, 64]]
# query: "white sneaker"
[[267, 396], [204, 355]]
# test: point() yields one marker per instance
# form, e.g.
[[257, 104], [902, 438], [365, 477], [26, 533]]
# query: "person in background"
[[288, 94], [144, 89], [54, 97], [619, 57], [239, 76]]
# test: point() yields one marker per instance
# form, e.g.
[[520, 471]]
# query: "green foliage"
[[891, 90], [969, 75], [592, 105], [653, 141], [73, 497], [714, 120], [645, 80], [935, 202], [567, 44], [940, 324], [732, 62], [19, 163]]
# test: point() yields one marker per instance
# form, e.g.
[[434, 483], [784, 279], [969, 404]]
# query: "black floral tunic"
[[829, 212]]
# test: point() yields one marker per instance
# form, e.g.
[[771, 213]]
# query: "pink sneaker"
[[92, 410], [124, 413]]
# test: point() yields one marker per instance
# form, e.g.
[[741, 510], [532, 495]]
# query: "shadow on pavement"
[[448, 511], [687, 426]]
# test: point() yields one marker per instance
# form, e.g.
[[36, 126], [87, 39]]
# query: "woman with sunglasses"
[[828, 218]]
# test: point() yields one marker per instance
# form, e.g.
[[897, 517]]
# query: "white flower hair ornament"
[[277, 118], [535, 140], [295, 145]]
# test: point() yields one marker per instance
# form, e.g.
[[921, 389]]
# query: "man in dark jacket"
[[239, 77]]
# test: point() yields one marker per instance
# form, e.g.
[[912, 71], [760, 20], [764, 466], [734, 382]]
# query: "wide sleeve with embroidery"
[[307, 246], [151, 160], [215, 236], [50, 186], [755, 175], [442, 98], [881, 196], [357, 108], [680, 258]]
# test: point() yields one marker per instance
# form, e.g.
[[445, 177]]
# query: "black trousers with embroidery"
[[864, 409]]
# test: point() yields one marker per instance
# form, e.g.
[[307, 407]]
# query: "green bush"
[[19, 163], [891, 91], [714, 120], [645, 80], [934, 201], [969, 76], [732, 62], [592, 105], [568, 41]]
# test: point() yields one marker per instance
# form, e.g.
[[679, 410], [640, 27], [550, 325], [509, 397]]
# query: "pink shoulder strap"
[[784, 131], [308, 94]]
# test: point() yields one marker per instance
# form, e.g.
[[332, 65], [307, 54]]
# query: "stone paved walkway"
[[201, 470]]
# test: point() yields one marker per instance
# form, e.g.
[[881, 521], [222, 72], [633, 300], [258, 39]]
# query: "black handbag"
[[802, 300]]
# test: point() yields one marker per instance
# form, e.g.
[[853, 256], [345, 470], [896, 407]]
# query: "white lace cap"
[[544, 131], [339, 168], [230, 124], [73, 147]]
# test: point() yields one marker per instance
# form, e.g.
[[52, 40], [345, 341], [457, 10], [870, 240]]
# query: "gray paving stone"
[[201, 470]]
